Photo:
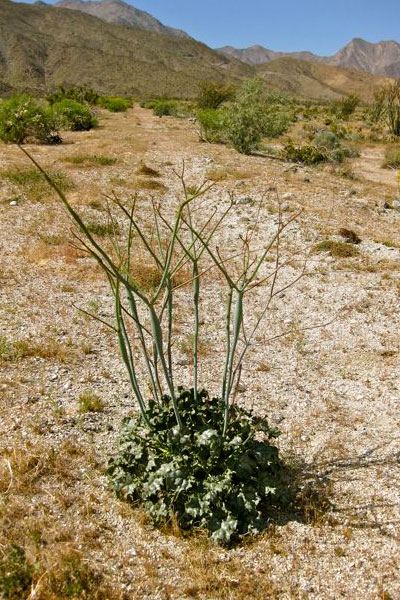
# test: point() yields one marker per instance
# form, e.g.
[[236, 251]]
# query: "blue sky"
[[321, 26]]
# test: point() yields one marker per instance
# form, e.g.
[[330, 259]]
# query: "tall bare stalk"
[[187, 243]]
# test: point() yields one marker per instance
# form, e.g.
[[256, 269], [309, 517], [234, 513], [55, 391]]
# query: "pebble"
[[245, 200], [53, 377], [183, 362], [13, 203], [288, 196]]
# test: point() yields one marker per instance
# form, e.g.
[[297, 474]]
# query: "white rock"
[[13, 203]]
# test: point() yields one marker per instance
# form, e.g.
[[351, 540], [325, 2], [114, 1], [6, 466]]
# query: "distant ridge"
[[42, 46], [120, 13], [382, 58]]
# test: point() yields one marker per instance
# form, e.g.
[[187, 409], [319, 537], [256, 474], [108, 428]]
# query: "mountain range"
[[382, 58], [121, 13], [123, 51]]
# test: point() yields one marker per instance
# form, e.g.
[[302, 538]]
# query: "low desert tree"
[[191, 454], [210, 124]]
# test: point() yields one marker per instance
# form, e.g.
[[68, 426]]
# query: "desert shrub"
[[212, 95], [166, 108], [114, 104], [22, 118], [350, 236], [88, 160], [326, 140], [392, 108], [337, 249], [211, 124], [79, 93], [225, 485], [392, 158], [307, 153], [276, 123], [149, 104], [73, 115], [345, 107], [377, 107], [244, 120]]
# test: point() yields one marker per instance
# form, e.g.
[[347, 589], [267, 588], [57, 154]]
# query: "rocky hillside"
[[120, 13], [382, 58], [42, 46]]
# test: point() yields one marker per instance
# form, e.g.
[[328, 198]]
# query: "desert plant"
[[79, 93], [166, 108], [244, 119], [210, 125], [73, 115], [22, 117], [345, 106], [377, 108], [212, 95], [114, 104], [392, 158], [15, 573], [393, 108], [307, 153], [203, 454]]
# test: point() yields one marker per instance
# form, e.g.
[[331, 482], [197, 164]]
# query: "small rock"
[[396, 205], [240, 183], [307, 180], [13, 203], [285, 207], [241, 388], [53, 377], [67, 386], [192, 119], [183, 362], [288, 196], [244, 200]]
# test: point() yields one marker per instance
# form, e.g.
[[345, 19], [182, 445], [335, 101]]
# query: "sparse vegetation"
[[34, 184], [337, 249], [345, 107], [210, 125], [89, 160], [83, 94]]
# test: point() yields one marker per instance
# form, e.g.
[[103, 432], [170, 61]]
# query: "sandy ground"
[[332, 385]]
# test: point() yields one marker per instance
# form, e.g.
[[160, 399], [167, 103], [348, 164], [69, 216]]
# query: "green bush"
[[166, 108], [212, 95], [149, 104], [244, 119], [211, 123], [115, 104], [392, 158], [199, 477], [79, 93], [275, 123], [22, 118], [73, 115]]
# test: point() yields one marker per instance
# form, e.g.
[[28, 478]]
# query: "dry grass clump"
[[29, 348], [392, 158], [143, 169], [90, 402], [32, 182], [150, 184], [337, 249], [90, 160]]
